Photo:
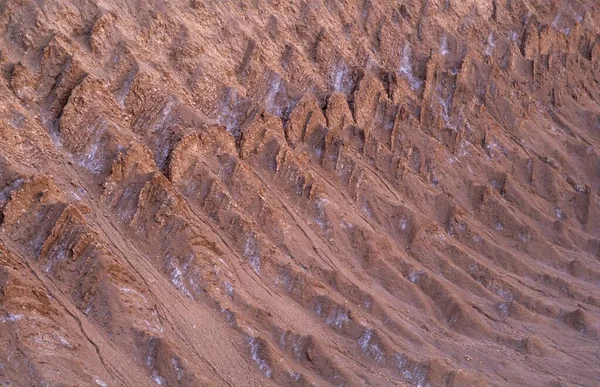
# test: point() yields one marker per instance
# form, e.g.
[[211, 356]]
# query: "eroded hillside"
[[300, 193]]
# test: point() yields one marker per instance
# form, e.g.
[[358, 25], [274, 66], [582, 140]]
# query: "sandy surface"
[[344, 193]]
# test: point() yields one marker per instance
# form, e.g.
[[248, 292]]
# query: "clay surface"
[[300, 193]]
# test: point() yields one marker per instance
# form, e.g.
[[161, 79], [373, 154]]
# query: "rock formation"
[[345, 193]]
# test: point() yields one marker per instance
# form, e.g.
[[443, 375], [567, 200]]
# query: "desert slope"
[[345, 193]]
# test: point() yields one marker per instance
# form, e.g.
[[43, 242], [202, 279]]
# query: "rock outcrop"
[[300, 193]]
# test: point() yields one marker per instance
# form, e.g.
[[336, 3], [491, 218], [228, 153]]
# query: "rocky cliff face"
[[300, 193]]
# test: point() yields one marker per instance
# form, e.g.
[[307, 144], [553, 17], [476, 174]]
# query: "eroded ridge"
[[300, 193]]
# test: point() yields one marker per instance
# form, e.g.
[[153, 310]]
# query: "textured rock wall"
[[300, 193]]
